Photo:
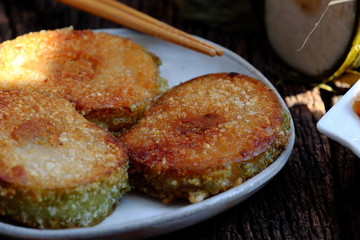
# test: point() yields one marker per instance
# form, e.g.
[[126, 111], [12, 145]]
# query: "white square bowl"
[[341, 123]]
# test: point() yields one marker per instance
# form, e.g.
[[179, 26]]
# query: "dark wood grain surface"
[[315, 196]]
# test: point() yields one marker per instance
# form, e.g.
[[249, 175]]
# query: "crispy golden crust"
[[46, 143], [51, 157], [111, 80], [199, 136]]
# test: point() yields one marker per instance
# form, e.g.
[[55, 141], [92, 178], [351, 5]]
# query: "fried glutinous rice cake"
[[111, 80], [57, 169], [206, 136]]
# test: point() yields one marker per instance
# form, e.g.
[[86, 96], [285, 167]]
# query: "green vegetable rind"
[[81, 206]]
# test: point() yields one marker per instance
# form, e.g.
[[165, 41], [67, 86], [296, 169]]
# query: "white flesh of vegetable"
[[290, 22]]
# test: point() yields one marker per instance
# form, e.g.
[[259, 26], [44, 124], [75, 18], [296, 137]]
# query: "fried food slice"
[[57, 169], [206, 136], [111, 79]]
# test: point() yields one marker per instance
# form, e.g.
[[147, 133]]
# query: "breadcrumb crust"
[[111, 80], [57, 169], [205, 136]]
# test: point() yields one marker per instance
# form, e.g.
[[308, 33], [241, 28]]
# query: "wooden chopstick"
[[131, 18]]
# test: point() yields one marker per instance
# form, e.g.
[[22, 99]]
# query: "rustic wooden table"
[[315, 196]]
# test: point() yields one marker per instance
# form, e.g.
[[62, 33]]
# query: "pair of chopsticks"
[[131, 18]]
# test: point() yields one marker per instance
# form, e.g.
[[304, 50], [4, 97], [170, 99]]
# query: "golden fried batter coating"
[[57, 169], [111, 79], [205, 136]]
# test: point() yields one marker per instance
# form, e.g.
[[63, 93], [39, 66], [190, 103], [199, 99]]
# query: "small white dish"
[[139, 216], [341, 123]]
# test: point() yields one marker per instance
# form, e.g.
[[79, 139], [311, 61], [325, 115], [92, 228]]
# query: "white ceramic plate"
[[341, 123], [139, 216]]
